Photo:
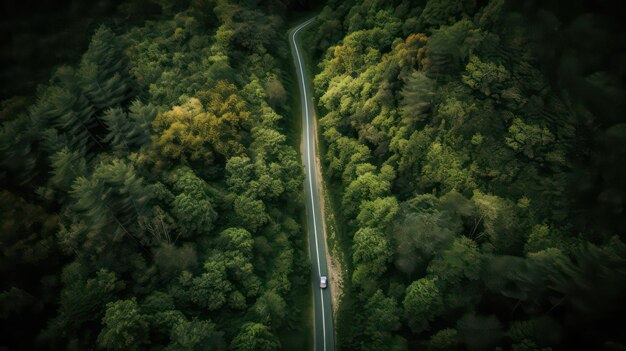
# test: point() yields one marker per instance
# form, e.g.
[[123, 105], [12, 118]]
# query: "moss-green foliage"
[[456, 153], [149, 196]]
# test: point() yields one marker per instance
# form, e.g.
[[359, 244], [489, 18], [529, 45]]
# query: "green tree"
[[66, 167], [195, 335], [251, 212], [371, 254], [102, 73], [378, 213], [271, 309], [528, 139], [461, 262], [382, 320], [438, 12], [422, 303], [210, 288], [417, 97], [125, 328], [443, 340], [486, 77], [253, 337], [501, 221]]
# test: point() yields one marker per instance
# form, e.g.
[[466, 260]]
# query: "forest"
[[151, 186], [475, 150], [150, 194]]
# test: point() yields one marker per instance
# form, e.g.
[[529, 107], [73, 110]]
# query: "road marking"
[[308, 146]]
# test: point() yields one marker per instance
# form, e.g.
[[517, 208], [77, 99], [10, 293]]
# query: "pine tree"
[[103, 72]]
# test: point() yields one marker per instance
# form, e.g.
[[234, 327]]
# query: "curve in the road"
[[323, 309]]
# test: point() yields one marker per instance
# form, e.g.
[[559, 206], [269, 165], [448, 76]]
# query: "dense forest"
[[151, 189], [150, 196], [475, 151]]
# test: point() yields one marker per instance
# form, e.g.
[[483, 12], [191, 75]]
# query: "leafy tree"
[[461, 262], [382, 320], [422, 303], [371, 253], [418, 237], [271, 309], [124, 327], [501, 222], [529, 140], [195, 335], [183, 133], [275, 92], [255, 336], [251, 212], [440, 12], [367, 186], [486, 77], [210, 288], [443, 340], [378, 213]]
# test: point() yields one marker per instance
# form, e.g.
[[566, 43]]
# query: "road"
[[323, 316]]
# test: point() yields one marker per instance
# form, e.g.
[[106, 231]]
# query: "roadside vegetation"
[[150, 199], [474, 172]]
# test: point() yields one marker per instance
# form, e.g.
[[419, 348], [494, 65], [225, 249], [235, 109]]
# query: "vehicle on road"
[[323, 282]]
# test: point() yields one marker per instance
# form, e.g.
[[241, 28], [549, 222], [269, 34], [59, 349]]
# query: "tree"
[[195, 335], [422, 303], [125, 328], [501, 222], [371, 254], [418, 236], [183, 133], [446, 167], [461, 262], [381, 321], [129, 131], [210, 288], [529, 139], [82, 299], [192, 207], [367, 186], [116, 121], [253, 337], [228, 115], [443, 340], [378, 213], [417, 97], [486, 77], [251, 212], [439, 12], [275, 92], [271, 309], [102, 73], [66, 167]]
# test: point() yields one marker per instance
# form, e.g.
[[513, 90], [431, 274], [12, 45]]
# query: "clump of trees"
[[150, 198], [459, 160]]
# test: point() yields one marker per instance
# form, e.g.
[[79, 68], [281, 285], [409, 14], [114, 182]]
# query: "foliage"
[[150, 194], [454, 144]]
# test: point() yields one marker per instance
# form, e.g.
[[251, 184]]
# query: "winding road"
[[323, 313]]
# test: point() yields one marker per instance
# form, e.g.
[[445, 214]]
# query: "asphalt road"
[[323, 316]]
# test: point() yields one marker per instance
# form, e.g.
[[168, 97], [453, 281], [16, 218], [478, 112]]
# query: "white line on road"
[[308, 145]]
